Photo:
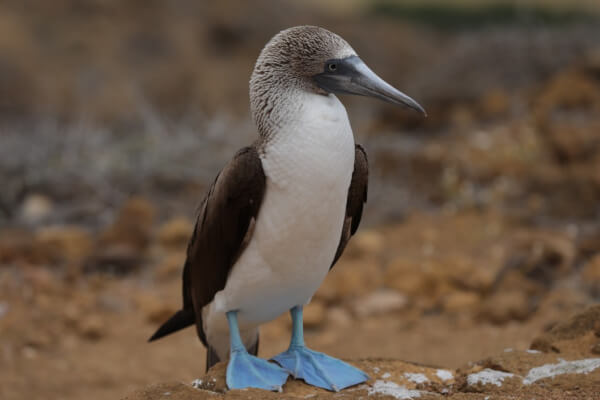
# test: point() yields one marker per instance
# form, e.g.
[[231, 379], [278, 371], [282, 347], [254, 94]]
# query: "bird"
[[279, 215]]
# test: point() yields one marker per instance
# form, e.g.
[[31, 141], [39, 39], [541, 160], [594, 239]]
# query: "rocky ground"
[[563, 363], [439, 290], [480, 239]]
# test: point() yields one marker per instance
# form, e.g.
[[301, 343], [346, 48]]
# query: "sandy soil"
[[568, 368], [482, 229], [68, 336]]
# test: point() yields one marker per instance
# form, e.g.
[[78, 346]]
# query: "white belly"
[[299, 225]]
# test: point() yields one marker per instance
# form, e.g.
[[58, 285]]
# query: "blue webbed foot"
[[319, 369], [245, 370]]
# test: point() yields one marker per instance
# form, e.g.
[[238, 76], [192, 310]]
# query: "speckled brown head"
[[310, 59]]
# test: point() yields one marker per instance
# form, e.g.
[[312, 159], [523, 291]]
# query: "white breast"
[[308, 166]]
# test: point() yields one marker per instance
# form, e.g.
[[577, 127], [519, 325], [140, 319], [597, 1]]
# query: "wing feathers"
[[357, 196], [223, 229]]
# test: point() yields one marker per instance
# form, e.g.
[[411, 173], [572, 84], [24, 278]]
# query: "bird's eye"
[[332, 67]]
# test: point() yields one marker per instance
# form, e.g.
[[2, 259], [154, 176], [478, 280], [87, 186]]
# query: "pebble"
[[154, 310], [461, 300], [92, 328], [339, 316], [488, 377], [314, 314], [175, 233], [368, 242], [36, 208], [380, 302]]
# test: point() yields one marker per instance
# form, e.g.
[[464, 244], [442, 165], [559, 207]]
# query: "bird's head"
[[315, 59]]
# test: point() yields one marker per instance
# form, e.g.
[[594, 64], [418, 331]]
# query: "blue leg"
[[316, 368], [245, 370]]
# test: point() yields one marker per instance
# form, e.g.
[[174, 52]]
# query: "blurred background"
[[482, 228]]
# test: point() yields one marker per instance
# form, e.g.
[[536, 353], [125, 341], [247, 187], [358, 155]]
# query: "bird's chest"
[[308, 174]]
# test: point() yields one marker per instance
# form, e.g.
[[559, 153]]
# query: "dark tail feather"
[[212, 358], [181, 319]]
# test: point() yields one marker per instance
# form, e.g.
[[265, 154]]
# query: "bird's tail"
[[211, 357], [181, 319]]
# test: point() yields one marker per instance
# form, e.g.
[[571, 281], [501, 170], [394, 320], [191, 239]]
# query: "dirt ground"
[[562, 365], [448, 295], [481, 233]]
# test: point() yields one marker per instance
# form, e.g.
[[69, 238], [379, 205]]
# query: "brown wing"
[[222, 231], [357, 197]]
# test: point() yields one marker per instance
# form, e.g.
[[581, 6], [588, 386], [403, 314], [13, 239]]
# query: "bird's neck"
[[312, 141], [283, 109]]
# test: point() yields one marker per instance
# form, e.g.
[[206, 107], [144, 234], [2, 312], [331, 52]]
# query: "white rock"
[[392, 389], [380, 302], [339, 316], [35, 208], [416, 377], [488, 376], [584, 366], [444, 374], [197, 383]]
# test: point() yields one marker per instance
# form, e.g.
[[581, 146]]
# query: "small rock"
[[39, 340], [314, 314], [570, 335], [339, 316], [29, 352], [175, 233], [477, 381], [596, 348], [380, 302], [505, 306], [367, 243], [495, 103], [461, 301], [36, 208], [68, 244], [387, 389], [155, 311], [72, 313], [118, 259], [560, 368], [92, 328], [444, 375], [133, 225], [407, 276], [461, 116], [171, 266], [42, 281], [543, 257], [416, 377], [18, 245], [349, 279], [591, 275]]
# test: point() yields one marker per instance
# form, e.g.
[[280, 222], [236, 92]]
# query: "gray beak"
[[352, 76]]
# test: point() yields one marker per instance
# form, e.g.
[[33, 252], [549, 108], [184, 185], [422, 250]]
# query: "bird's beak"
[[352, 76]]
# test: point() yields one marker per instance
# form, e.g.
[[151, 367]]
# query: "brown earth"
[[481, 233], [573, 372], [459, 288]]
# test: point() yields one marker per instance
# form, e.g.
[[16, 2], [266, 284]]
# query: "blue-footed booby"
[[280, 213]]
